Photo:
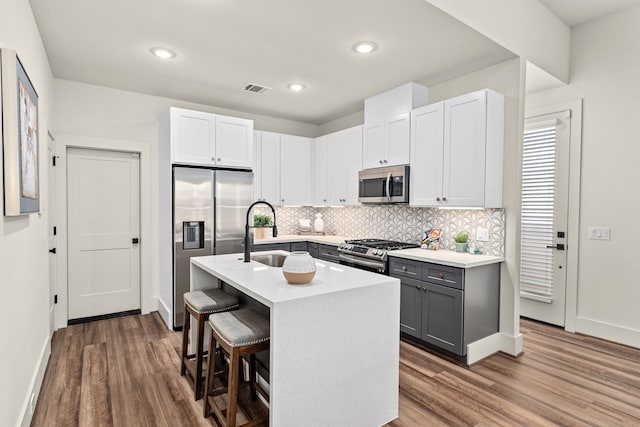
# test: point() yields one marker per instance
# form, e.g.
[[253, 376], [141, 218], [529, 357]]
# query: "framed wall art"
[[19, 137]]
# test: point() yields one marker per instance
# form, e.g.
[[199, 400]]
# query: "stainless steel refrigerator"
[[209, 211]]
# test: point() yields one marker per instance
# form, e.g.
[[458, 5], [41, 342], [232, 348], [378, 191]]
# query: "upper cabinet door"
[[320, 171], [193, 137], [337, 178], [234, 142], [295, 170], [354, 164], [398, 141], [427, 147], [374, 145], [465, 150], [270, 168]]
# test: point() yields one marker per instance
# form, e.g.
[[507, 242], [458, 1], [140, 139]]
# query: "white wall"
[[24, 257], [605, 73]]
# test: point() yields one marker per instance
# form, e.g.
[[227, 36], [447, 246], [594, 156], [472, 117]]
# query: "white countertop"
[[329, 240], [445, 257], [268, 285]]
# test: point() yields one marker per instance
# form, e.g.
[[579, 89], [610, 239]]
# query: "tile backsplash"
[[402, 223]]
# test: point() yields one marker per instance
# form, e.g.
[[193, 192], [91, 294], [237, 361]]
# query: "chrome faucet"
[[247, 243]]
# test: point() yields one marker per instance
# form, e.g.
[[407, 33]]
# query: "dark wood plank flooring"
[[124, 372]]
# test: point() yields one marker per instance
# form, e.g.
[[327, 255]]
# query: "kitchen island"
[[334, 354]]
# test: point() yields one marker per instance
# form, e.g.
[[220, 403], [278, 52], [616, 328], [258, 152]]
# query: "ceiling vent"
[[256, 88]]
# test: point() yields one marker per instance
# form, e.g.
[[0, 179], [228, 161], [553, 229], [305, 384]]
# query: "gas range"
[[370, 254]]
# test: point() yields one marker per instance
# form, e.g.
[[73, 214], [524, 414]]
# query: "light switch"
[[600, 233], [482, 234]]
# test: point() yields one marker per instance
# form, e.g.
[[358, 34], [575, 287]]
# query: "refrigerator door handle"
[[214, 234]]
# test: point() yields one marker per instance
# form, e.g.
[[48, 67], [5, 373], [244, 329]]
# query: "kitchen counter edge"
[[446, 257]]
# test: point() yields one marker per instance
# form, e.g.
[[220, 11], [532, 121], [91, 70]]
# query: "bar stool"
[[200, 305], [238, 333]]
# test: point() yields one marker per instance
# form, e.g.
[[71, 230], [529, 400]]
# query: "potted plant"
[[461, 240], [260, 221]]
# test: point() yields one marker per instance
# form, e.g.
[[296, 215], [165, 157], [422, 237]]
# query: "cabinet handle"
[[404, 268], [444, 199], [437, 199], [418, 287], [213, 158], [324, 200], [219, 159], [441, 276], [385, 161], [380, 161], [282, 200]]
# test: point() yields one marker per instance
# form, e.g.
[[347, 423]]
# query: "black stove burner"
[[388, 245]]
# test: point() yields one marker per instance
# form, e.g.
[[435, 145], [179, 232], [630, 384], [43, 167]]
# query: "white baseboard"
[[478, 350], [35, 384], [608, 331], [510, 344], [165, 313]]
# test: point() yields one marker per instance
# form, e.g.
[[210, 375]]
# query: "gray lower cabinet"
[[446, 306], [328, 253], [299, 246], [272, 247], [314, 249]]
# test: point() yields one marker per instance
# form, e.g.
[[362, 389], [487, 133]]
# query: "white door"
[[398, 141], [270, 167], [427, 145], [320, 171], [545, 192], [373, 147], [51, 206], [295, 170], [104, 225], [337, 179], [354, 163], [193, 137]]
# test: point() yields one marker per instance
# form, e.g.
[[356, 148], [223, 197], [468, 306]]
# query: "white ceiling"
[[224, 44], [577, 12]]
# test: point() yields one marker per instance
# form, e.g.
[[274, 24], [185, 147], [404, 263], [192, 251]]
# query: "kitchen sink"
[[272, 260]]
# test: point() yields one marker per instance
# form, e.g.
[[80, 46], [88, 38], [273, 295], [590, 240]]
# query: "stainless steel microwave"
[[384, 185]]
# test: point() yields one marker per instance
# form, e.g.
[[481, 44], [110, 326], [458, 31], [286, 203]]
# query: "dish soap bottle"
[[318, 223]]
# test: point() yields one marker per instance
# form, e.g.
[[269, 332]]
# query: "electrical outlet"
[[482, 234], [599, 233]]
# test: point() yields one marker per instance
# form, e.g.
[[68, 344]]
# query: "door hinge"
[[54, 160], [55, 230], [52, 250], [55, 299]]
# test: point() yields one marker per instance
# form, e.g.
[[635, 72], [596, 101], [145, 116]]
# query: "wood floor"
[[124, 372]]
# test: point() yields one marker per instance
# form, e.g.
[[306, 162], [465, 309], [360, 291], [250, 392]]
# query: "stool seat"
[[240, 328], [210, 301]]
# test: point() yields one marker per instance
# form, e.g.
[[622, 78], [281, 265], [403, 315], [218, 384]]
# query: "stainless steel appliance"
[[209, 207], [384, 185], [369, 254]]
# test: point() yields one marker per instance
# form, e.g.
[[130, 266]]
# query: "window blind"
[[538, 193]]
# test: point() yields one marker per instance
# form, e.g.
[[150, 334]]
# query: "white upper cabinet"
[[456, 152], [295, 170], [193, 136], [387, 125], [206, 139], [266, 181], [234, 138], [345, 161], [320, 171]]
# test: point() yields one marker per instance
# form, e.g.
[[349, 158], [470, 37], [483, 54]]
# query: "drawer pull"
[[440, 276], [404, 268]]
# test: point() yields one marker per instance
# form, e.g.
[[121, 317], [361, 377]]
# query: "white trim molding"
[[511, 345], [608, 331], [35, 384], [148, 297], [481, 349]]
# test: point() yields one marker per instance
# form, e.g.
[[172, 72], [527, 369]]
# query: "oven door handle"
[[361, 261], [389, 186]]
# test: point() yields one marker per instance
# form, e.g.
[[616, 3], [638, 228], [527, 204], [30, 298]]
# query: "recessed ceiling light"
[[296, 87], [365, 47], [163, 53]]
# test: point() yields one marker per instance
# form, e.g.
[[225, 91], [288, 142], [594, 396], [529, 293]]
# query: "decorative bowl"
[[299, 268]]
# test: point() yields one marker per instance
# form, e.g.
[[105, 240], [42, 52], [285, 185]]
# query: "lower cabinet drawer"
[[272, 247], [328, 253], [299, 246], [405, 268], [314, 249], [443, 275]]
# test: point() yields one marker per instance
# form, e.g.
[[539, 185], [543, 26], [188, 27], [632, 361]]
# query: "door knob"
[[558, 246]]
